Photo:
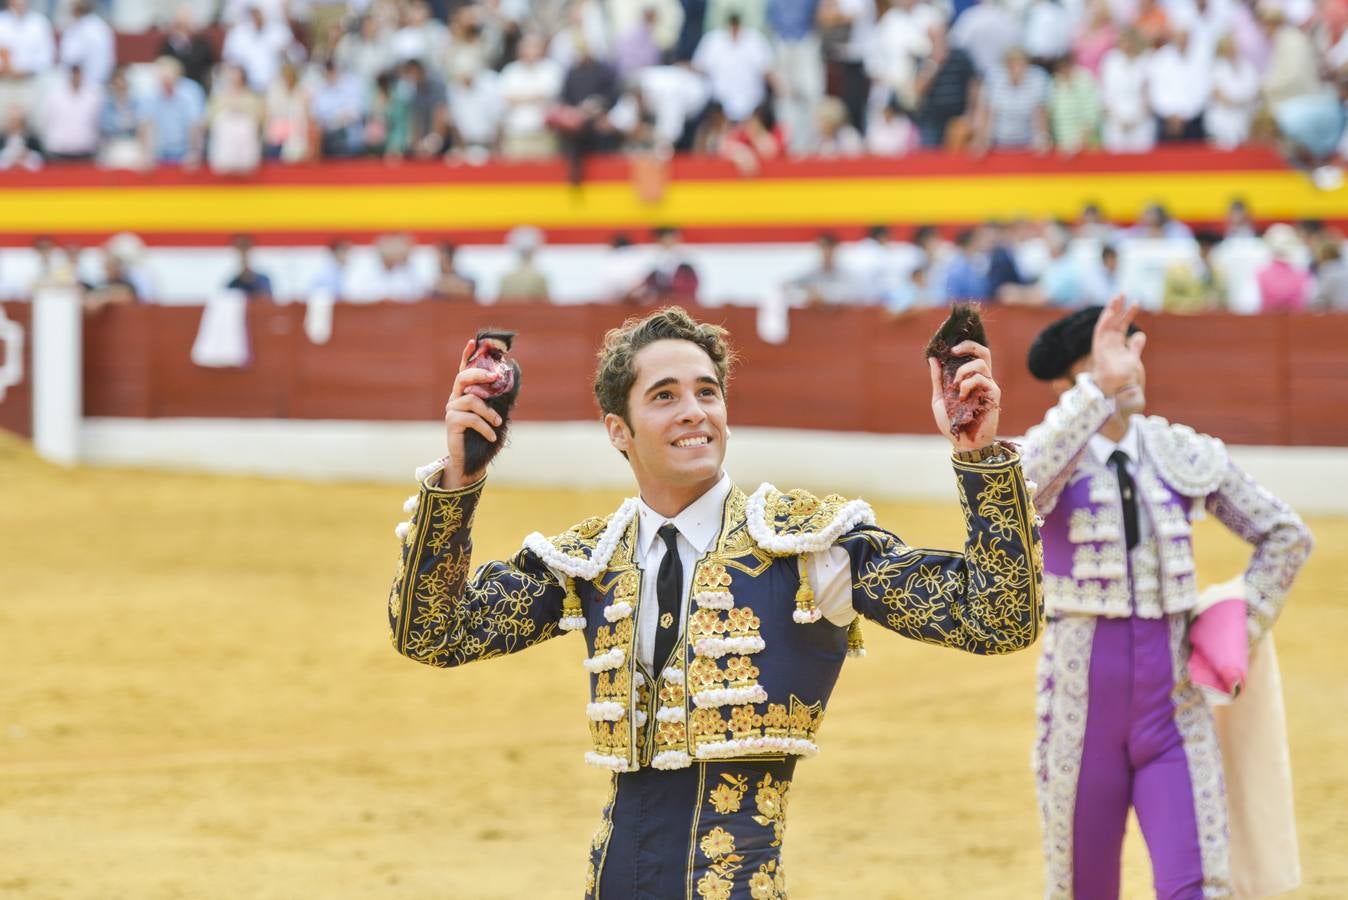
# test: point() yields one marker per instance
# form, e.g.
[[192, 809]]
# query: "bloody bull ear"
[[489, 353], [963, 324]]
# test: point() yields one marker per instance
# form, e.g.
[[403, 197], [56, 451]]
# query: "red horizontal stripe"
[[768, 234], [1195, 158]]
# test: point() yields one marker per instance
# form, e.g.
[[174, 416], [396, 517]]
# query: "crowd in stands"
[[748, 80], [1158, 262]]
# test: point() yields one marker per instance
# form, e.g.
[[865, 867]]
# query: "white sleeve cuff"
[[831, 578]]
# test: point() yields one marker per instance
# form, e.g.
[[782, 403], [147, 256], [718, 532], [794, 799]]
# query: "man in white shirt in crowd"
[[987, 31], [27, 52], [258, 46], [738, 63], [68, 117], [528, 86], [88, 42], [1179, 80], [1129, 126]]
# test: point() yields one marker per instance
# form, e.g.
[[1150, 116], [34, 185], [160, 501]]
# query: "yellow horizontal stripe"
[[750, 202]]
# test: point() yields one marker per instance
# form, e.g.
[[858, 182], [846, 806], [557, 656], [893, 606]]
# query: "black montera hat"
[[1064, 342]]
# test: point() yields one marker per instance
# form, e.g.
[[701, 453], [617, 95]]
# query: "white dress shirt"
[[699, 525], [1102, 448], [90, 44], [736, 68], [32, 49]]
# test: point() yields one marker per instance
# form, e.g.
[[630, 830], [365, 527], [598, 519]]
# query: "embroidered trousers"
[[1118, 730], [710, 830]]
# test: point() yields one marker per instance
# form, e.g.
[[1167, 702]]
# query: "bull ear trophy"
[[490, 353], [963, 324]]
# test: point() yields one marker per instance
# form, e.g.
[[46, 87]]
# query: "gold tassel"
[[573, 617], [806, 611], [856, 646]]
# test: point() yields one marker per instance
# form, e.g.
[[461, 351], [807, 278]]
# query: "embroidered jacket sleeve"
[[988, 599], [1051, 449], [441, 617], [1281, 543]]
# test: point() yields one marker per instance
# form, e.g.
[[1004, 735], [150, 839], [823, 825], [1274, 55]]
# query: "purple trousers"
[[1118, 729]]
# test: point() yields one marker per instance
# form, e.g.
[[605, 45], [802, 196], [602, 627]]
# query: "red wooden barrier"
[[1252, 380]]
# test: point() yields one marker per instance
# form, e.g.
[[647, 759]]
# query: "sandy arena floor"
[[199, 701]]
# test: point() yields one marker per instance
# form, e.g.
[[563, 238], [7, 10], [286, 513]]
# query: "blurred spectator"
[[947, 90], [420, 37], [68, 117], [1331, 278], [1047, 36], [470, 46], [88, 43], [799, 67], [119, 127], [1156, 223], [846, 29], [287, 131], [623, 276], [712, 131], [586, 28], [525, 282], [1061, 283], [837, 138], [395, 278], [450, 283], [364, 52], [1100, 282], [827, 284], [172, 115], [753, 141], [880, 266], [672, 278], [1013, 110], [27, 52], [19, 146], [124, 280], [1285, 283], [937, 253], [1239, 223], [902, 38], [1196, 286], [235, 115], [676, 96], [338, 109], [589, 91], [1006, 283], [626, 15], [254, 284], [637, 47], [967, 274], [418, 114], [891, 133], [475, 112], [737, 62], [1093, 226], [1074, 107], [1151, 21], [1096, 38], [334, 276], [1178, 84], [1128, 126], [1309, 113], [987, 32], [258, 46], [1235, 88], [529, 86], [690, 35], [184, 42], [912, 292]]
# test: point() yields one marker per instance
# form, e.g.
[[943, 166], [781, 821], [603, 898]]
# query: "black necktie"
[[669, 591], [1128, 493]]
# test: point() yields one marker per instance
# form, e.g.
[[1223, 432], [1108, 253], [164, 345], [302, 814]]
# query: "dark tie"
[[1128, 492], [669, 591]]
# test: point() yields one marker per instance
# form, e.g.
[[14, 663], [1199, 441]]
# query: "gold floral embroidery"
[[713, 887], [726, 798], [717, 842], [769, 882], [770, 799], [718, 845]]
